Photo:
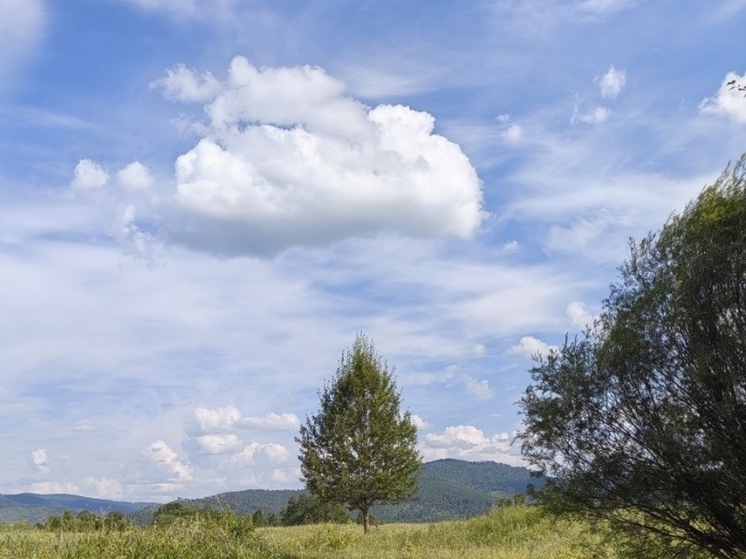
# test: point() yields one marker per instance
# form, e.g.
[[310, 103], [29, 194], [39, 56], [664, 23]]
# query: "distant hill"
[[33, 508], [448, 489], [458, 489]]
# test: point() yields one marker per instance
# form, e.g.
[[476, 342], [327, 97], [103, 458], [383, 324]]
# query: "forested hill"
[[32, 507], [490, 477], [448, 489]]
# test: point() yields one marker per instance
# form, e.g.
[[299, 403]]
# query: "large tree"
[[642, 421], [360, 448]]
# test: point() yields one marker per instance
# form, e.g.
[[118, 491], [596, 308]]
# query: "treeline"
[[300, 510], [86, 521]]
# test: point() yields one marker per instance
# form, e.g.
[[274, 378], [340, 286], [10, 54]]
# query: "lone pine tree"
[[360, 448]]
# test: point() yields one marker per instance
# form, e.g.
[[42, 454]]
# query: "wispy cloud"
[[612, 82], [728, 102]]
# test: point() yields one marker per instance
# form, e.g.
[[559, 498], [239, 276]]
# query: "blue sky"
[[202, 202]]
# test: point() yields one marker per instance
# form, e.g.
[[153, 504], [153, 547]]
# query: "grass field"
[[506, 533]]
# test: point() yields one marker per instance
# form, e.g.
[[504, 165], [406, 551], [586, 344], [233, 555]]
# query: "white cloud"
[[272, 453], [182, 7], [22, 24], [512, 135], [479, 388], [183, 84], [272, 421], [163, 455], [103, 488], [288, 159], [131, 239], [54, 487], [479, 350], [579, 317], [469, 443], [420, 423], [229, 417], [612, 83], [220, 418], [135, 176], [729, 102], [40, 460], [89, 176], [84, 426], [276, 453], [530, 346], [603, 7], [596, 115], [218, 443]]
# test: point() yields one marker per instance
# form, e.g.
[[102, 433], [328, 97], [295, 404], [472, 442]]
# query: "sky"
[[202, 202]]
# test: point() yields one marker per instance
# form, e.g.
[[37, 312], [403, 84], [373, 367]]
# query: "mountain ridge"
[[449, 488]]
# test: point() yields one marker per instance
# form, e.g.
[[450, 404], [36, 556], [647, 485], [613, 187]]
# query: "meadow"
[[506, 533]]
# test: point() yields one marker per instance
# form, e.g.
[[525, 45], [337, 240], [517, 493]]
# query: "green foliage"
[[360, 449], [310, 509], [510, 533], [642, 421], [85, 521], [174, 512], [247, 501]]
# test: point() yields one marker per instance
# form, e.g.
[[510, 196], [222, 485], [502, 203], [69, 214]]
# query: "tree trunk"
[[366, 520]]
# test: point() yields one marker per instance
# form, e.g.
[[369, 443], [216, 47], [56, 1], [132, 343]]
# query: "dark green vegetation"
[[642, 421], [309, 509], [506, 533], [35, 508], [360, 449], [448, 489]]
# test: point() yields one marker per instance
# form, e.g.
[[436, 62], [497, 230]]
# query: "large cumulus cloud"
[[287, 159]]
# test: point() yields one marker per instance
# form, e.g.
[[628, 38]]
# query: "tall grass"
[[506, 533]]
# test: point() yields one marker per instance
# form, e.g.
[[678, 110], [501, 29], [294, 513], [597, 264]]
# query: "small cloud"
[[54, 487], [603, 7], [579, 317], [612, 83], [530, 346], [510, 247], [84, 426], [504, 118], [164, 456], [40, 460], [134, 242], [596, 115], [729, 102], [183, 84], [512, 135], [479, 350], [470, 443], [218, 443], [272, 453], [420, 423], [272, 421], [135, 176], [479, 388], [88, 176], [220, 418], [104, 488]]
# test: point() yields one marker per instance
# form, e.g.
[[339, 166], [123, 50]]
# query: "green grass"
[[506, 533]]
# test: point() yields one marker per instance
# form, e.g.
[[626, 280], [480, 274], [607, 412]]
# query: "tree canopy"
[[642, 420], [310, 509], [360, 448]]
